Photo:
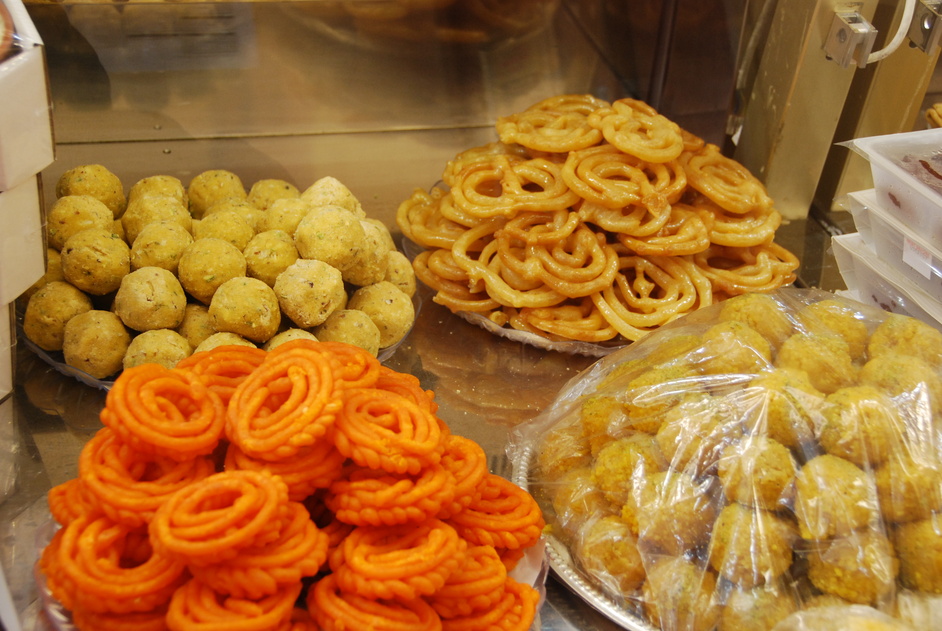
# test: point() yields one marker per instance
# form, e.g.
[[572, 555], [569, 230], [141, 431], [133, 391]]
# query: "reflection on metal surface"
[[796, 99], [482, 374], [61, 396], [153, 71], [850, 39], [473, 22], [164, 37], [797, 105], [925, 31]]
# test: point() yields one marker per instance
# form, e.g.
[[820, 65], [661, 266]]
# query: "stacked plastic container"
[[894, 260]]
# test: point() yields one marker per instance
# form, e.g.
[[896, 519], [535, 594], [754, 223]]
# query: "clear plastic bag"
[[767, 455]]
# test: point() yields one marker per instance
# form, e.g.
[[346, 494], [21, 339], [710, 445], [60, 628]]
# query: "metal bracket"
[[925, 31], [850, 39]]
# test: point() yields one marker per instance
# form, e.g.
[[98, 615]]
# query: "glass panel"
[[172, 71]]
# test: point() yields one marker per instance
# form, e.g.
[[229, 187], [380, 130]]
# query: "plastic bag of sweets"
[[759, 458]]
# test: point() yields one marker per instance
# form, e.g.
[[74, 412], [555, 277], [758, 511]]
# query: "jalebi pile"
[[593, 221], [305, 488]]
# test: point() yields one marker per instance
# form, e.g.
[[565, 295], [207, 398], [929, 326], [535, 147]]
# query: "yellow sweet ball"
[[73, 213], [350, 326], [48, 311], [268, 254], [247, 307], [94, 180], [149, 209], [95, 261], [225, 338], [211, 187], [166, 185], [206, 264], [389, 308], [263, 193], [150, 298], [157, 346], [95, 342], [160, 244], [309, 291]]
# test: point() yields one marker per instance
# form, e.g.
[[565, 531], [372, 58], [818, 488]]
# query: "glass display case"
[[380, 95]]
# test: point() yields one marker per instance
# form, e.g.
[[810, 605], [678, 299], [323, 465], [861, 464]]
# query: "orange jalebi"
[[398, 562], [513, 612], [155, 620], [385, 430], [477, 585], [467, 462], [300, 620], [164, 412], [213, 519], [130, 486], [257, 572], [505, 516], [223, 369], [334, 610], [408, 386], [312, 468], [113, 568], [196, 607], [357, 367], [286, 404], [367, 497], [386, 493], [69, 500]]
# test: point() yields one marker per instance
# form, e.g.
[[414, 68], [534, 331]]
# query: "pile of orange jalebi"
[[305, 488]]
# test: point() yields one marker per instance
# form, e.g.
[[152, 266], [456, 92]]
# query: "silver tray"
[[56, 360]]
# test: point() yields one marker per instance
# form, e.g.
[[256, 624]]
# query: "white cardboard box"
[[22, 243], [26, 138]]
